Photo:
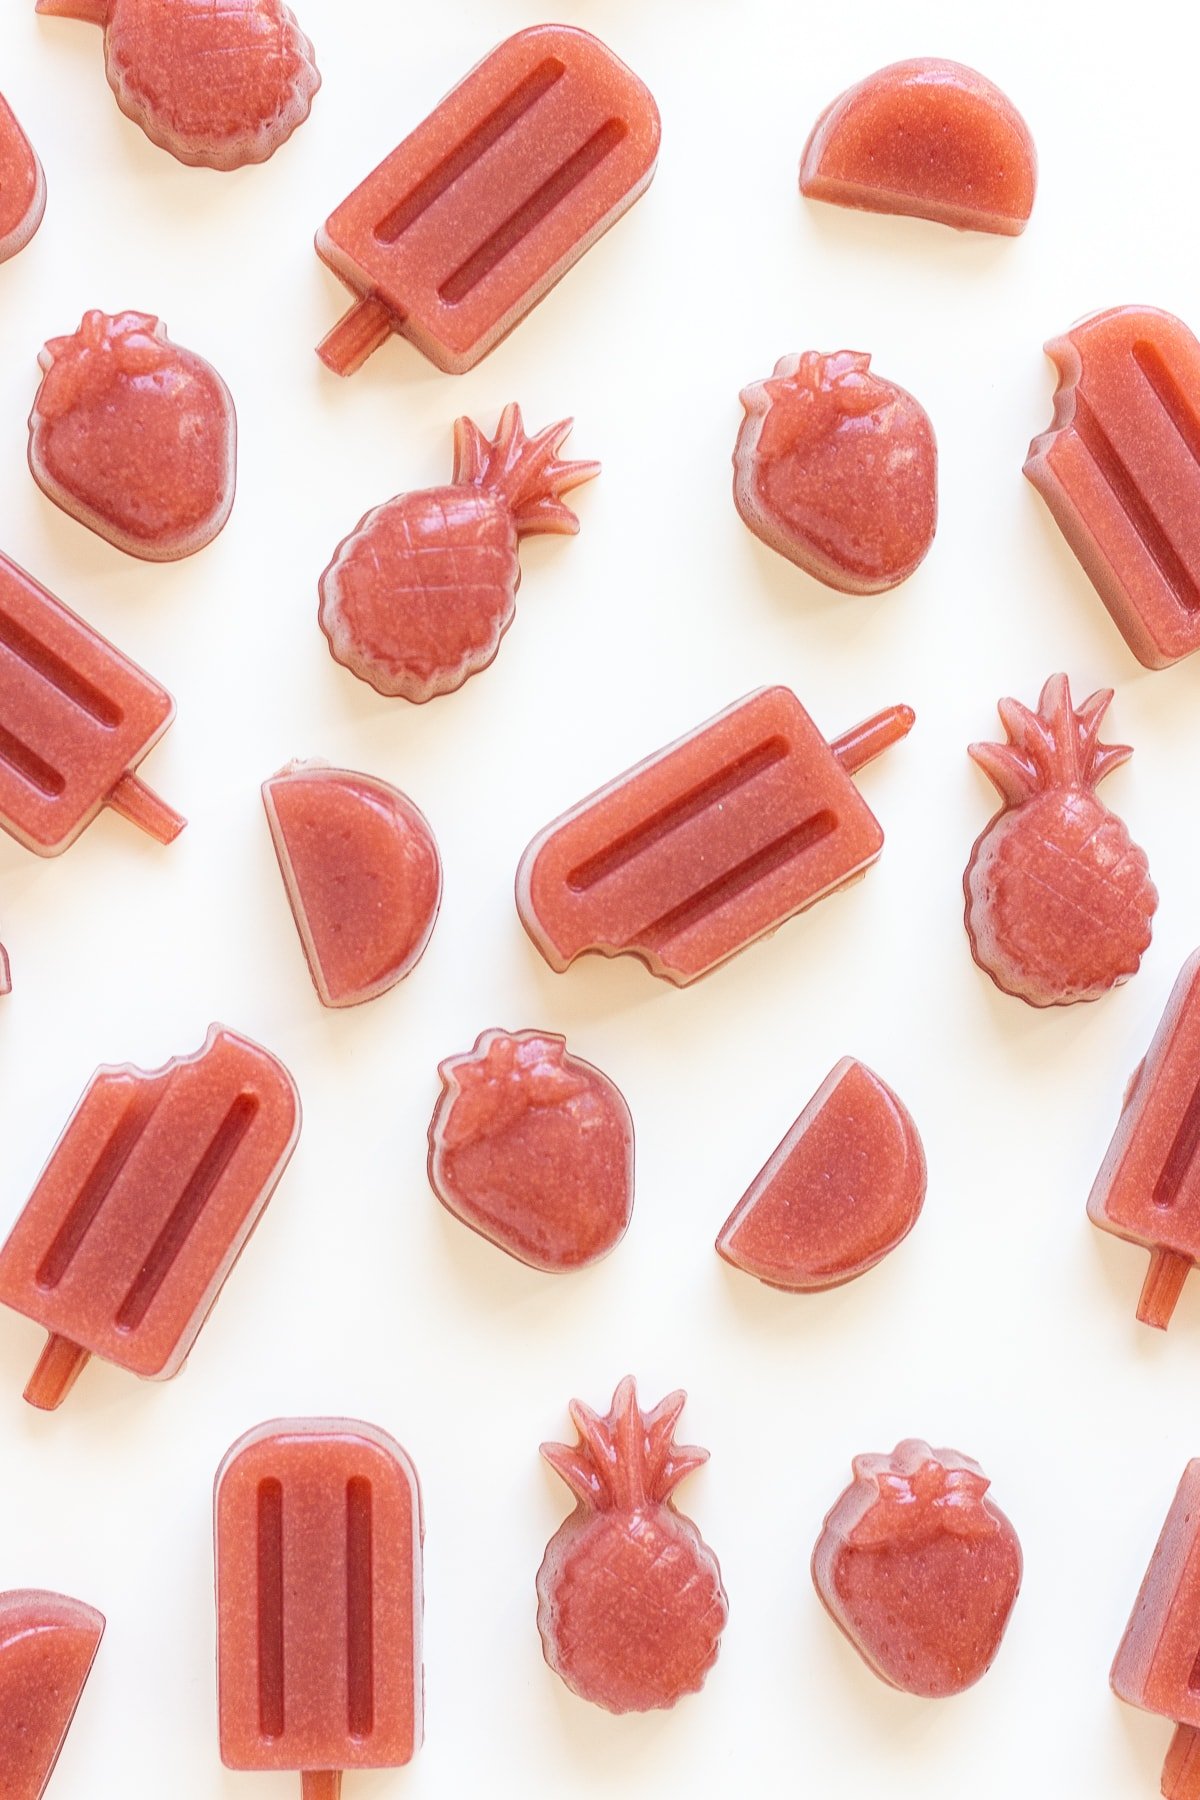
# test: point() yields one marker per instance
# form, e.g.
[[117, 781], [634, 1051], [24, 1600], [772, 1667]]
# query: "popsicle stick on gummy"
[[709, 844], [22, 186], [319, 1602], [48, 1644], [474, 217], [76, 717], [144, 1207]]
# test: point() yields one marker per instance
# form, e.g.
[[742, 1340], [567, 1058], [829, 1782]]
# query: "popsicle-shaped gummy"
[[362, 873], [319, 1601], [481, 209], [76, 717], [22, 186], [844, 1187], [145, 1205], [1119, 469], [1157, 1665], [48, 1644], [709, 844]]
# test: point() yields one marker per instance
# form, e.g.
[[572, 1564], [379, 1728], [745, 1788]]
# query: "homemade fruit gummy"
[[836, 469], [1119, 469], [216, 85], [134, 436], [319, 1601], [844, 1187], [419, 595], [630, 1602], [476, 215], [709, 844], [145, 1205], [362, 873], [919, 1568], [930, 138], [1058, 896], [1156, 1661], [76, 717], [22, 185], [1148, 1187], [48, 1644], [533, 1148]]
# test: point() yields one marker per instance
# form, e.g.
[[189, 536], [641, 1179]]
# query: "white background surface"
[[1005, 1324]]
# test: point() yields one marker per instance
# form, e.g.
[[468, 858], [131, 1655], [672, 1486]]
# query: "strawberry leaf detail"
[[917, 1493], [81, 369], [498, 1083]]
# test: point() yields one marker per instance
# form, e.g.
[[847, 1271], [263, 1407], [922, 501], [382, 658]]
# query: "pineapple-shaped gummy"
[[630, 1603], [1059, 897], [218, 83], [419, 595]]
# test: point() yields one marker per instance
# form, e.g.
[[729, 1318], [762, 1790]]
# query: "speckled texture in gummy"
[[47, 1646], [22, 185]]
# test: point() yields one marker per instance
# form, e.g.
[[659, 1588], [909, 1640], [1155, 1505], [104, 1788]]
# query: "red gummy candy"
[[48, 1644], [533, 1148], [134, 436], [837, 470], [630, 1602], [919, 1568], [22, 186]]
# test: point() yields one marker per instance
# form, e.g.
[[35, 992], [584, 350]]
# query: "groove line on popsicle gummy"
[[271, 1713], [738, 880], [1170, 396], [222, 1148], [677, 813], [475, 145], [1179, 1160], [1158, 545], [29, 766], [360, 1623], [70, 684], [105, 1171]]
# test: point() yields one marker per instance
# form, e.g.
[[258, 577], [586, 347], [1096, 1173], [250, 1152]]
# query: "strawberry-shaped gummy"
[[533, 1148], [1059, 897], [630, 1602], [919, 1568], [836, 468], [218, 85], [419, 595], [134, 436]]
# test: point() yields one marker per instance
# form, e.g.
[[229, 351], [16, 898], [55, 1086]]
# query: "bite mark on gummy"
[[270, 1609], [360, 1623], [672, 817]]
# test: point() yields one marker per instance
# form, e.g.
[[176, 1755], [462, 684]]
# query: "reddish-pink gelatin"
[[134, 437], [844, 1187], [22, 185], [362, 873], [930, 138], [533, 1148], [144, 1207], [474, 217], [836, 469], [630, 1602], [5, 972], [48, 1644], [319, 1602], [919, 1568]]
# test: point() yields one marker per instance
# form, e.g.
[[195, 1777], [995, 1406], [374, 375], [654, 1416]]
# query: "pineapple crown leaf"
[[1057, 746], [498, 1082], [919, 1492], [524, 472], [626, 1458]]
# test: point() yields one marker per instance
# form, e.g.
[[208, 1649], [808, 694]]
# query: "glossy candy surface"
[[533, 1148], [919, 1568], [362, 873], [836, 469], [844, 1187], [145, 1205], [926, 137], [1119, 469], [481, 209], [419, 595], [5, 972], [134, 437], [709, 844], [630, 1602], [76, 718], [1155, 1665], [1148, 1187], [48, 1644], [22, 185], [319, 1602], [216, 85], [1059, 897]]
